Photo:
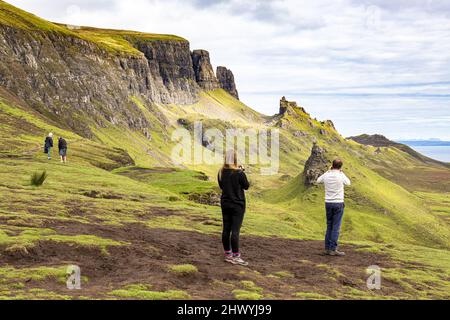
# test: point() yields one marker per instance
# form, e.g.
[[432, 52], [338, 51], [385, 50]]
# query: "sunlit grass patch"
[[311, 296], [140, 293], [183, 269]]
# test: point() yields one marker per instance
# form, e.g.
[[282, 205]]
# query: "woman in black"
[[233, 182]]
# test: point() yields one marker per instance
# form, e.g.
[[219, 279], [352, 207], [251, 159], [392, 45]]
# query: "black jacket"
[[233, 183], [48, 142], [62, 144]]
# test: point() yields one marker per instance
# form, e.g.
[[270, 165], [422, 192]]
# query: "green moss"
[[29, 236], [137, 293], [249, 291], [183, 269], [284, 274], [251, 286], [8, 274], [246, 295], [311, 296]]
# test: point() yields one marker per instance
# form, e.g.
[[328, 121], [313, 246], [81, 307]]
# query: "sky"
[[371, 66]]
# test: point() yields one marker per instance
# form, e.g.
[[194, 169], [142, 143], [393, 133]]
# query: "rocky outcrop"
[[226, 81], [204, 73], [330, 124], [315, 166], [285, 105], [290, 107]]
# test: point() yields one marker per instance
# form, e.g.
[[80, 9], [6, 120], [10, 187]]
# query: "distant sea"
[[438, 150]]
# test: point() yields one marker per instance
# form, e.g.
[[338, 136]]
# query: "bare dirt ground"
[[150, 251]]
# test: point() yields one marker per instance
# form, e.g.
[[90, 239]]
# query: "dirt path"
[[304, 268]]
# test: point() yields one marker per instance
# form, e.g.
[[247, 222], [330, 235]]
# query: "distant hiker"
[[62, 146], [233, 182], [334, 181], [48, 145]]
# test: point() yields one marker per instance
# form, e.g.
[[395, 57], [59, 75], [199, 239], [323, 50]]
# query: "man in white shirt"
[[334, 181]]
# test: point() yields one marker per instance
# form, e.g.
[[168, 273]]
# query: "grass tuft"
[[183, 269], [137, 293], [38, 179]]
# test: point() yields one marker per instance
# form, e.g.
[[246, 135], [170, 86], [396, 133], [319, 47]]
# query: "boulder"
[[315, 166]]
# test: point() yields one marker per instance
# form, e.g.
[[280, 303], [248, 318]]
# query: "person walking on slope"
[[48, 145], [62, 146], [334, 181], [233, 182]]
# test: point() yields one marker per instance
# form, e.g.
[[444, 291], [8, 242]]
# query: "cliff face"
[[170, 63], [226, 81], [75, 82], [203, 70], [74, 78]]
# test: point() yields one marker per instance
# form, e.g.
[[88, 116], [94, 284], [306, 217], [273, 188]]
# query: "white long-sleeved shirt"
[[334, 181]]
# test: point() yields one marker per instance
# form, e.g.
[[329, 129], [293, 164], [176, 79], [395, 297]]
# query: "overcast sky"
[[372, 66]]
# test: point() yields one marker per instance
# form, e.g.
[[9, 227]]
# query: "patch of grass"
[[250, 291], [333, 271], [311, 296], [183, 269], [284, 274], [27, 237], [139, 293], [38, 179], [251, 286], [246, 295], [14, 275]]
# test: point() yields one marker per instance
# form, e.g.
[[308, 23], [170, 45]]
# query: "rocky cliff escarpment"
[[87, 77], [78, 84], [226, 81], [204, 73], [170, 63]]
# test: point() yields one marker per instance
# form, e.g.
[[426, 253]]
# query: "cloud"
[[358, 56]]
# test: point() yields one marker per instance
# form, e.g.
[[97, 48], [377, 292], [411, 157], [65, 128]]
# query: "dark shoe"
[[336, 253], [326, 252]]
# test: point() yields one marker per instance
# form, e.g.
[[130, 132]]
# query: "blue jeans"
[[49, 152], [335, 212]]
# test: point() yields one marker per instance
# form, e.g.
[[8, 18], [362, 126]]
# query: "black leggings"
[[232, 222]]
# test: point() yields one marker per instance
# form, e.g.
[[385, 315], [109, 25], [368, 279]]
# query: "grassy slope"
[[380, 214]]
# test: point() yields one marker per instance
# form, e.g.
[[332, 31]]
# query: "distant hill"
[[379, 141]]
